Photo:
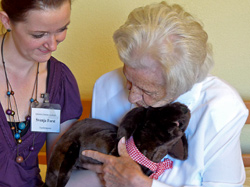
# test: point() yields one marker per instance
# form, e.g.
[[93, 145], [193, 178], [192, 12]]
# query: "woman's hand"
[[117, 171]]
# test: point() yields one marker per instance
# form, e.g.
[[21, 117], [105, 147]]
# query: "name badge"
[[45, 117]]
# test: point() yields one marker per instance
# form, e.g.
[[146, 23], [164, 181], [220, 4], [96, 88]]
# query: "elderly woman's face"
[[147, 86]]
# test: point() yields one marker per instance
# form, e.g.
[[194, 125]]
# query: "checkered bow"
[[136, 155]]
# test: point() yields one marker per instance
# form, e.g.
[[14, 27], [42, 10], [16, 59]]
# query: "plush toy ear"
[[130, 122], [180, 149]]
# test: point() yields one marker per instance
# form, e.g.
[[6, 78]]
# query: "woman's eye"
[[38, 35], [148, 93], [63, 29]]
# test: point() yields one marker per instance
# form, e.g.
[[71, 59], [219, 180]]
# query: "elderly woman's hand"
[[117, 171]]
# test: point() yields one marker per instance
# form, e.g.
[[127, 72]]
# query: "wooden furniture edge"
[[86, 111], [247, 103], [42, 159], [246, 160]]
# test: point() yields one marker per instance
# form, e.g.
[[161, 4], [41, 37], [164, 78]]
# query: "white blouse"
[[217, 117]]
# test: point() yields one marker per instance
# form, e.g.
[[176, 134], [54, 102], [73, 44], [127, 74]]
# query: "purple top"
[[63, 90]]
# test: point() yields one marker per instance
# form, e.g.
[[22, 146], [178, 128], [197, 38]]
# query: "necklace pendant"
[[19, 159], [8, 112], [17, 136], [12, 113], [28, 118], [21, 125], [19, 141], [32, 148]]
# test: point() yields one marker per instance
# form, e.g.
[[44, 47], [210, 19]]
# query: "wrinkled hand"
[[117, 171]]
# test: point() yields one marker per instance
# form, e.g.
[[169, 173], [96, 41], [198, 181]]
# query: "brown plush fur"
[[156, 132]]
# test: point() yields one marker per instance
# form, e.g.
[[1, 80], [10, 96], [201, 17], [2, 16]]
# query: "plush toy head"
[[158, 131]]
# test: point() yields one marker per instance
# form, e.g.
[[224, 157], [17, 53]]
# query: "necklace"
[[17, 126]]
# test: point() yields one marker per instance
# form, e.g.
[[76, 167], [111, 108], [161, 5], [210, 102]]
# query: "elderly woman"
[[167, 59]]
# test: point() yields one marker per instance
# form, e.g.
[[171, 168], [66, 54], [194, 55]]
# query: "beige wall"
[[89, 50]]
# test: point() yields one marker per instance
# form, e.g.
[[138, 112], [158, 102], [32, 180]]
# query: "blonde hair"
[[171, 37]]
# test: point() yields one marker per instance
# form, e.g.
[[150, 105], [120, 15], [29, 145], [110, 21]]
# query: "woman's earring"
[[8, 30]]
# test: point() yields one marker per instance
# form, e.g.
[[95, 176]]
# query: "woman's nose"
[[52, 43]]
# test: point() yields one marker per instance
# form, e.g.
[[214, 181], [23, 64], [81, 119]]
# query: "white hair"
[[173, 38]]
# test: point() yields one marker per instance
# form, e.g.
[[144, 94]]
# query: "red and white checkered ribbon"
[[136, 155]]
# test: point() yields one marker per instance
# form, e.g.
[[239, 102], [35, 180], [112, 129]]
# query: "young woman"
[[34, 28]]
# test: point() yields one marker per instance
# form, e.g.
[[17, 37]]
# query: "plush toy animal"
[[156, 132]]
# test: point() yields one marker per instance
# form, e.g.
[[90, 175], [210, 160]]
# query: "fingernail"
[[123, 140], [83, 152]]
